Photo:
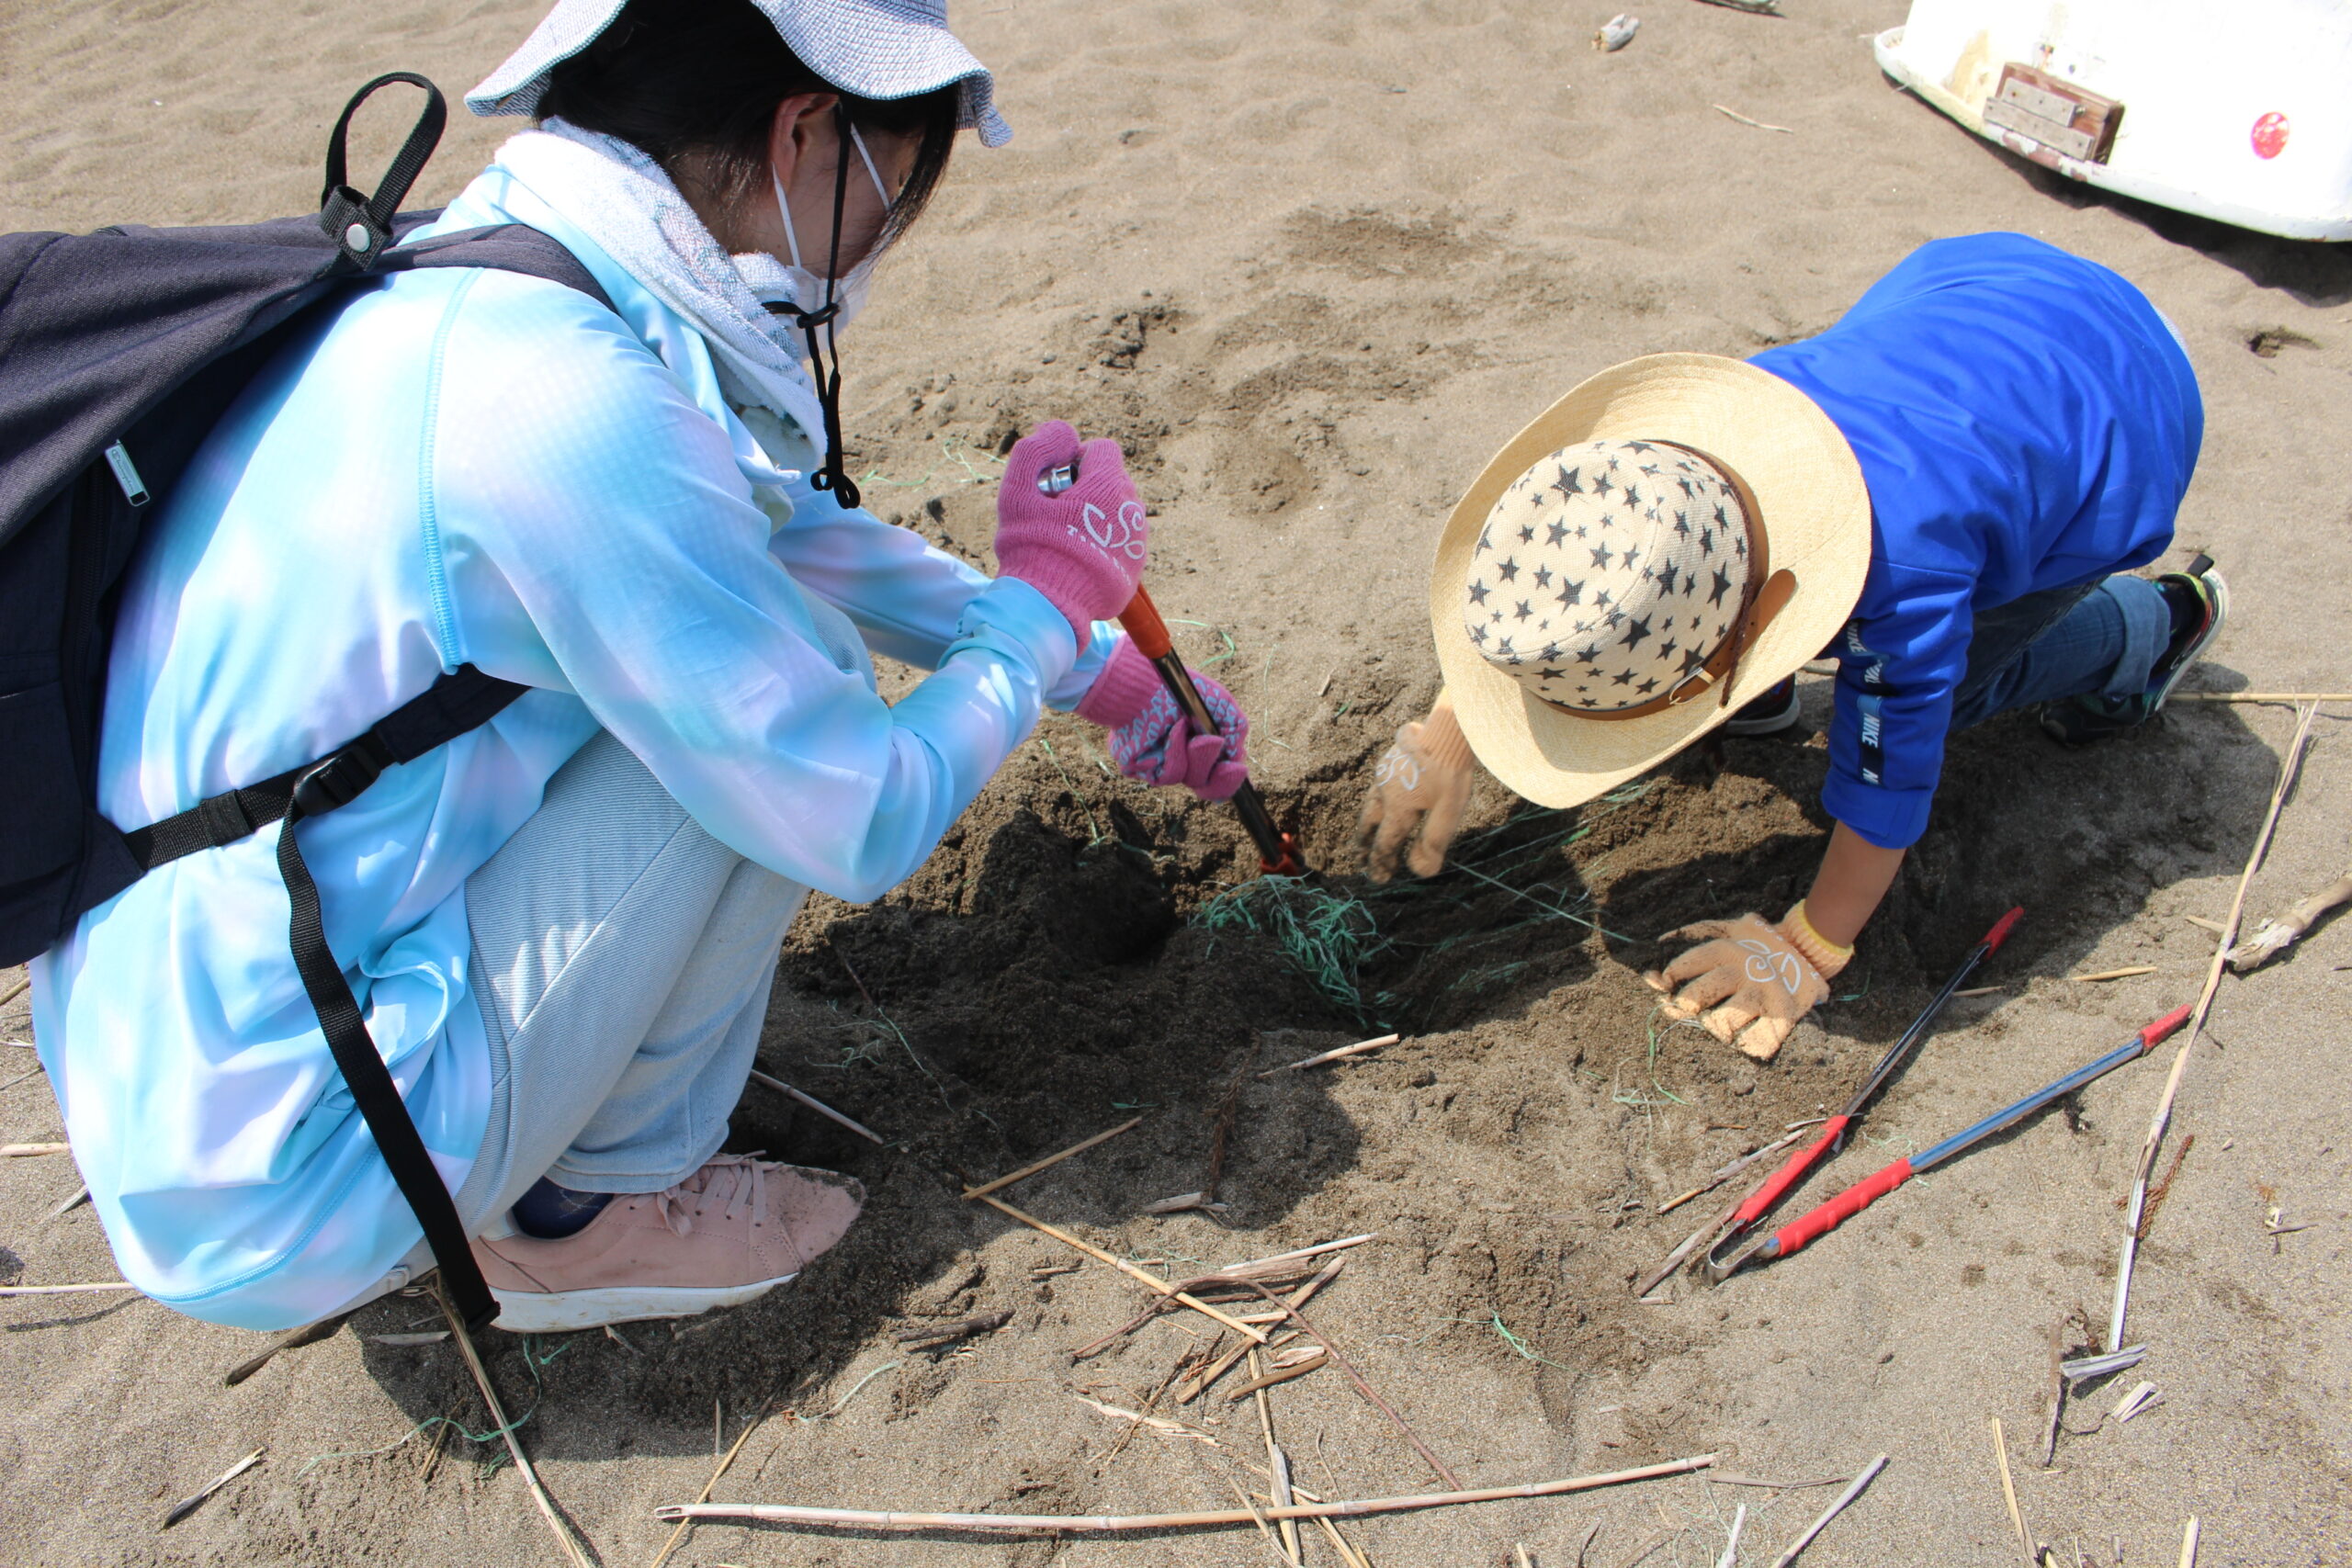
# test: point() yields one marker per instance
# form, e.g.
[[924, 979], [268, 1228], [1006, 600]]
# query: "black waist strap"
[[453, 705]]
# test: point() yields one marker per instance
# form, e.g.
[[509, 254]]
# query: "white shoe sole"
[[562, 1311]]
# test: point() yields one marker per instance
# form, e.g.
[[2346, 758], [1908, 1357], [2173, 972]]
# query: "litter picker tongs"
[[1733, 1248], [1278, 853], [1829, 1216]]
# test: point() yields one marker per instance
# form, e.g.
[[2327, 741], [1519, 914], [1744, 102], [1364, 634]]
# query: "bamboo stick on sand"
[[66, 1289], [1332, 1056], [818, 1106], [1255, 1336], [1853, 1490], [1112, 1524], [2162, 1121], [522, 1466], [1026, 1171]]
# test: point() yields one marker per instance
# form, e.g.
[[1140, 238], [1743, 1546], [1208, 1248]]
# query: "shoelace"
[[732, 1180]]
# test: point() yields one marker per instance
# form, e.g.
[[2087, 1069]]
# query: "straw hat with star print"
[[1670, 540]]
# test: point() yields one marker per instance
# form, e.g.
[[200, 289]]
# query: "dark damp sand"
[[1313, 266]]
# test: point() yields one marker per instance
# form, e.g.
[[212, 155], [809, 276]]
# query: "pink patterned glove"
[[1152, 740], [1083, 549]]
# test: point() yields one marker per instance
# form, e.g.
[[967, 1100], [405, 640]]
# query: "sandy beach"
[[1313, 265]]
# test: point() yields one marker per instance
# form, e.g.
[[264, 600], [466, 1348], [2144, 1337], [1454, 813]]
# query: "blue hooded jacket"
[[2025, 420]]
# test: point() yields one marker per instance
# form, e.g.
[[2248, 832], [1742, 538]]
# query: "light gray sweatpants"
[[622, 960]]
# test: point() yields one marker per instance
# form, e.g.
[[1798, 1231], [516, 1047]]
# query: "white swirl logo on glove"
[[1768, 965], [1396, 766], [1122, 534]]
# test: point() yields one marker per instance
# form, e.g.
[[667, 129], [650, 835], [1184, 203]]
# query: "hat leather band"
[[1765, 594]]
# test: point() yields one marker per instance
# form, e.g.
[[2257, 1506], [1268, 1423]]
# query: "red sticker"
[[2270, 135]]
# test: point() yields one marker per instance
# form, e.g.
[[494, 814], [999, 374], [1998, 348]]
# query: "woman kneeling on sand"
[[1942, 493], [562, 927]]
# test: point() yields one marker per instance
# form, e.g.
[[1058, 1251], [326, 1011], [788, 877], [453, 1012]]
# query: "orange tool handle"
[[1141, 619], [1761, 1200], [1838, 1209]]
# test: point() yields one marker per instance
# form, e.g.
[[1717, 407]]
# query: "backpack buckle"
[[338, 781]]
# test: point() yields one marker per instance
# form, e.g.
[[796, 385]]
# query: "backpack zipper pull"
[[126, 473]]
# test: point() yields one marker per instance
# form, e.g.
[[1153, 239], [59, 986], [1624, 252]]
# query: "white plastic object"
[[2241, 113]]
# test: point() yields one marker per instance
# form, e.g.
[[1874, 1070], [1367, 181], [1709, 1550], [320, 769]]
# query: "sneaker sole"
[[2219, 591], [560, 1312]]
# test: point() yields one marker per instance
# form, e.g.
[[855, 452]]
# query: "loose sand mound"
[[1312, 269]]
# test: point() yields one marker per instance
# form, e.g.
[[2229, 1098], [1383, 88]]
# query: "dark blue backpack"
[[119, 350]]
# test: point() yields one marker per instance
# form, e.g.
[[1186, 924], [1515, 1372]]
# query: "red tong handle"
[[2001, 929], [1838, 1209], [1759, 1202], [2165, 1027]]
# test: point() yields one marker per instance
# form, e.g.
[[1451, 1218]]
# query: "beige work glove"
[[1752, 982], [1423, 781]]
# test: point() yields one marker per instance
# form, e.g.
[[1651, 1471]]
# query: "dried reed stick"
[[1753, 7], [1255, 1336], [2125, 972], [1364, 1388], [2189, 1537], [818, 1106], [1261, 1382], [1277, 1464], [2010, 1494], [1318, 1250], [1726, 1172], [66, 1289], [1852, 1491], [15, 991], [940, 1334], [27, 1151], [1735, 113], [195, 1500], [1217, 1369], [1207, 1282], [1730, 1559], [678, 1534], [1106, 1524], [522, 1467], [1332, 1056], [2163, 1118], [309, 1333], [2295, 697], [1026, 1171]]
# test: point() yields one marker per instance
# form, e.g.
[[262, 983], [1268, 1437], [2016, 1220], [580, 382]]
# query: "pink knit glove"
[[1152, 740], [1083, 549]]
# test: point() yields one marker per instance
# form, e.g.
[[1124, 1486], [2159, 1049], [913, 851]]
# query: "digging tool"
[[1277, 850], [1862, 1194], [1726, 1257]]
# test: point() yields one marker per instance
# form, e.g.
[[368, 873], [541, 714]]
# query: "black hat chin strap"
[[825, 360]]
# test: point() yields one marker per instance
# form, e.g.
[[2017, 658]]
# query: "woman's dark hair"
[[674, 77]]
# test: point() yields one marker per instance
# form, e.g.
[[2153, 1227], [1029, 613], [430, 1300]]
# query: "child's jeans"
[[2100, 639]]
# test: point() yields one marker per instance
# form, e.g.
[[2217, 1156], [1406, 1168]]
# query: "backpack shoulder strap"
[[508, 247], [459, 701]]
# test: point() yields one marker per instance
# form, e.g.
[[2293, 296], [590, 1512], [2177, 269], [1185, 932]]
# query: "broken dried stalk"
[[678, 1534], [2009, 1493], [1159, 1285], [936, 1335], [2123, 974], [1735, 113], [1730, 1559], [1101, 1524], [2275, 936], [2162, 1121], [1217, 1369], [1026, 1171], [28, 1151], [66, 1289], [1332, 1056], [1277, 1466], [1726, 1172], [15, 991], [1852, 1491], [1753, 7], [818, 1106], [1366, 1388], [309, 1333], [2188, 1537], [2296, 697], [522, 1466], [191, 1503], [1264, 1380]]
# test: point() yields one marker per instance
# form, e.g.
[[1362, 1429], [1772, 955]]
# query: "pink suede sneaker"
[[728, 1233]]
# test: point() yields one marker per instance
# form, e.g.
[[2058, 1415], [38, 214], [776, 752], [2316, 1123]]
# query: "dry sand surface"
[[1313, 263]]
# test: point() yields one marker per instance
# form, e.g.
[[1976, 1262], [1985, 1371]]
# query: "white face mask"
[[804, 286]]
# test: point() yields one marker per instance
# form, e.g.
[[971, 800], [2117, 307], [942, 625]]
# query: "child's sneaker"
[[1770, 713], [2200, 601], [728, 1233]]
